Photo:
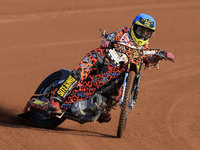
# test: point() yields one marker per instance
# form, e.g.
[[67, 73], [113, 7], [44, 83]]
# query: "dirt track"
[[38, 38]]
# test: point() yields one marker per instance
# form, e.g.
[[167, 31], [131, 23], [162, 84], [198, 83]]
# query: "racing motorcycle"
[[90, 101]]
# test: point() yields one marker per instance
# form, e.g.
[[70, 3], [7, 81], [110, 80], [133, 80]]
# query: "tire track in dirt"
[[60, 43], [169, 123], [58, 13], [182, 130], [182, 117]]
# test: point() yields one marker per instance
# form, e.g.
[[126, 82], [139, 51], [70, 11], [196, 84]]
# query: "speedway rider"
[[138, 36]]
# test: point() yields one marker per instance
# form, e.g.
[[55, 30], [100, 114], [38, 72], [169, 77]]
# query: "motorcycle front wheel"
[[125, 105], [42, 120]]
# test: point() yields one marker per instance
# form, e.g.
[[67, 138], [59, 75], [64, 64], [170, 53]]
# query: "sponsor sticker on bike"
[[149, 52], [66, 85], [39, 102]]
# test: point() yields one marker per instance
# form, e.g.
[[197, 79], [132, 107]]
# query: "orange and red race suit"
[[96, 62]]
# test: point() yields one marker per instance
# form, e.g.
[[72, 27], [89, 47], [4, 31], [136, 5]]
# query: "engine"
[[89, 107]]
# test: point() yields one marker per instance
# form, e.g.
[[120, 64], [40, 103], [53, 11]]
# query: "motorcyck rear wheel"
[[42, 120], [125, 105]]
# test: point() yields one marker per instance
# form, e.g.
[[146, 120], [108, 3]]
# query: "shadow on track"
[[9, 118], [81, 132]]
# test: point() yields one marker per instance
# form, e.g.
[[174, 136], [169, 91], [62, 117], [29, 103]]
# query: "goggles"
[[143, 32]]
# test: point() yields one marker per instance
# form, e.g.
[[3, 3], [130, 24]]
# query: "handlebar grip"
[[111, 45], [162, 56]]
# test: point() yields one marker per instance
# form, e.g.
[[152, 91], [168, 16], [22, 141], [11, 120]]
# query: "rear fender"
[[65, 74]]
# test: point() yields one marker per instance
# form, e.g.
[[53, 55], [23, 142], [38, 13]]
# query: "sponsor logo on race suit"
[[127, 41]]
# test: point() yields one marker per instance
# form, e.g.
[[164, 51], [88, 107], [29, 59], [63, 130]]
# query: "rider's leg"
[[79, 73], [113, 97]]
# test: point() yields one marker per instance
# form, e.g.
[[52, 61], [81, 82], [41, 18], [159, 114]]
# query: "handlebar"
[[141, 52], [162, 56]]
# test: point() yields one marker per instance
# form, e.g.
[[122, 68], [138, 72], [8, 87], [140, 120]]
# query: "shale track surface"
[[40, 37]]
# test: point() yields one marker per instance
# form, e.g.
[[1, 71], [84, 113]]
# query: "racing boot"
[[56, 100], [105, 117], [111, 103], [53, 108]]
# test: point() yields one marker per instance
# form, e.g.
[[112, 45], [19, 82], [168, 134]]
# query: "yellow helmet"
[[142, 29]]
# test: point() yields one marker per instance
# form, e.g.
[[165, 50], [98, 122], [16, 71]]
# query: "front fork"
[[133, 97], [123, 89]]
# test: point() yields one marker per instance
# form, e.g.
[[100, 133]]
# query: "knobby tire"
[[41, 120], [125, 105]]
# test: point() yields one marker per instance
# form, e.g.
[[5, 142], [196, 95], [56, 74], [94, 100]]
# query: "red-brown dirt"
[[40, 37]]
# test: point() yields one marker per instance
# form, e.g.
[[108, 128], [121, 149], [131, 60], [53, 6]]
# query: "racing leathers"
[[123, 37], [96, 61]]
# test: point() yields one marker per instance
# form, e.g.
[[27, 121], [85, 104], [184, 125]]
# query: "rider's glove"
[[166, 55], [104, 44], [169, 55]]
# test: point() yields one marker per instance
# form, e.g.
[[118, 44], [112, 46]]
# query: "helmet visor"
[[143, 32]]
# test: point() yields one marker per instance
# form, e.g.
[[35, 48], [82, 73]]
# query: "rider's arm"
[[152, 60], [113, 37]]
